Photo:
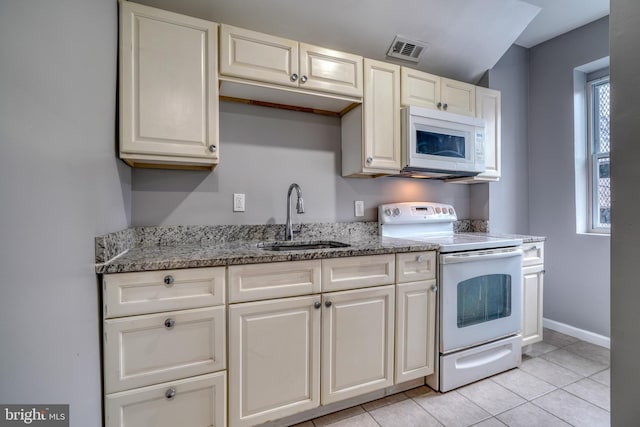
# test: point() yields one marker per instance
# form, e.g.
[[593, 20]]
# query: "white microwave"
[[439, 144]]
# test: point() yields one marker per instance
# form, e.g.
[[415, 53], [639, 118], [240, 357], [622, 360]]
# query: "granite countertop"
[[161, 248]]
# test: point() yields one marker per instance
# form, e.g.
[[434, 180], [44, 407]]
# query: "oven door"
[[480, 298]]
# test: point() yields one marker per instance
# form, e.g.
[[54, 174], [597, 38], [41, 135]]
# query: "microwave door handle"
[[479, 256]]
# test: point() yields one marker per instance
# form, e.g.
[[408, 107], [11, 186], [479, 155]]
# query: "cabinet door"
[[532, 282], [458, 97], [257, 56], [330, 70], [168, 87], [381, 117], [274, 359], [126, 294], [194, 402], [414, 266], [149, 349], [488, 108], [420, 89], [357, 342], [415, 330]]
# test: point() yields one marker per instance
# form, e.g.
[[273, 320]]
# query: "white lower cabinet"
[[198, 401], [357, 342], [415, 330], [161, 367], [274, 359], [532, 292]]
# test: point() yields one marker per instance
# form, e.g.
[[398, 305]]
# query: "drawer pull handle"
[[170, 393], [420, 259], [168, 280], [169, 323], [317, 304], [327, 303], [434, 288], [534, 248]]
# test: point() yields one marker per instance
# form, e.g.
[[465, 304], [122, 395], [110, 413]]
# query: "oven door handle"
[[480, 255]]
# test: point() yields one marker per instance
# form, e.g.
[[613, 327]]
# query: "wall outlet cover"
[[359, 208], [238, 202]]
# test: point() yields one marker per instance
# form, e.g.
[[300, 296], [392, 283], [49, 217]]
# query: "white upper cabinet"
[[488, 108], [430, 91], [168, 89], [330, 71], [371, 132], [264, 58], [257, 56]]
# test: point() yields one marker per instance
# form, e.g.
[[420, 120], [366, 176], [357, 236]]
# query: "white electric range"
[[480, 292]]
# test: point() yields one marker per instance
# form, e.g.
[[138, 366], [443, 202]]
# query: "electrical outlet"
[[238, 202], [359, 208]]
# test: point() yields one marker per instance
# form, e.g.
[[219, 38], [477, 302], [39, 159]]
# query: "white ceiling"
[[465, 38]]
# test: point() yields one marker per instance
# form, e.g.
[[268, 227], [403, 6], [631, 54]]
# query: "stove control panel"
[[415, 213]]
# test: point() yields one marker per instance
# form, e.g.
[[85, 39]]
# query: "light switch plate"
[[238, 202], [359, 208]]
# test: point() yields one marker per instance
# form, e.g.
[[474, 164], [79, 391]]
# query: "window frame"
[[594, 158]]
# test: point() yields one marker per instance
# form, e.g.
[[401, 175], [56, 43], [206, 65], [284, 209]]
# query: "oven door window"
[[440, 144], [483, 299]]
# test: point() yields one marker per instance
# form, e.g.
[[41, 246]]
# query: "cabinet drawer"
[[533, 254], [153, 348], [199, 401], [127, 294], [414, 266], [273, 280], [357, 272]]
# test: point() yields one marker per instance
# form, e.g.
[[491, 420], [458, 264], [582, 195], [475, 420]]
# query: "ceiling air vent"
[[406, 49]]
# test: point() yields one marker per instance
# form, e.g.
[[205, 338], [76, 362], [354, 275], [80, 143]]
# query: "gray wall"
[[61, 186], [577, 286], [625, 175], [263, 150], [508, 198]]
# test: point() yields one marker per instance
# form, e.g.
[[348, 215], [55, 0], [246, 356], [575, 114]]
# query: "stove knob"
[[387, 212], [451, 211], [438, 210], [396, 212]]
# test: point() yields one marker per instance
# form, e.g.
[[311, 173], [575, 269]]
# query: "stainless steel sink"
[[301, 245]]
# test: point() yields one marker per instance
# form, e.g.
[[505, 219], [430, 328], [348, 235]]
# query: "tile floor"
[[562, 382]]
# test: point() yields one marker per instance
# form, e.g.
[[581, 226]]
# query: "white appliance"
[[480, 292], [438, 144]]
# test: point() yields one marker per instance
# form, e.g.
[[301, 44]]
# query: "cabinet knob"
[[434, 288], [420, 259], [445, 106], [303, 79], [168, 280], [369, 160], [439, 105], [294, 77], [170, 393], [213, 148], [169, 323], [327, 303], [534, 248], [317, 304]]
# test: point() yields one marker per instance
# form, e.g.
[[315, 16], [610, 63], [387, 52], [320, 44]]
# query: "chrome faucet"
[[288, 231]]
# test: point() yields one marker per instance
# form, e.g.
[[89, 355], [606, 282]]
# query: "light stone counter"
[[172, 247]]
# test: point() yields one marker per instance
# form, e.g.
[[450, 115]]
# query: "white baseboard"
[[582, 334]]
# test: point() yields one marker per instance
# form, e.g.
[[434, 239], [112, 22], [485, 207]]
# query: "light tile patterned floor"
[[562, 382]]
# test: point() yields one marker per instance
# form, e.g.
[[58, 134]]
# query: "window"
[[598, 106]]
